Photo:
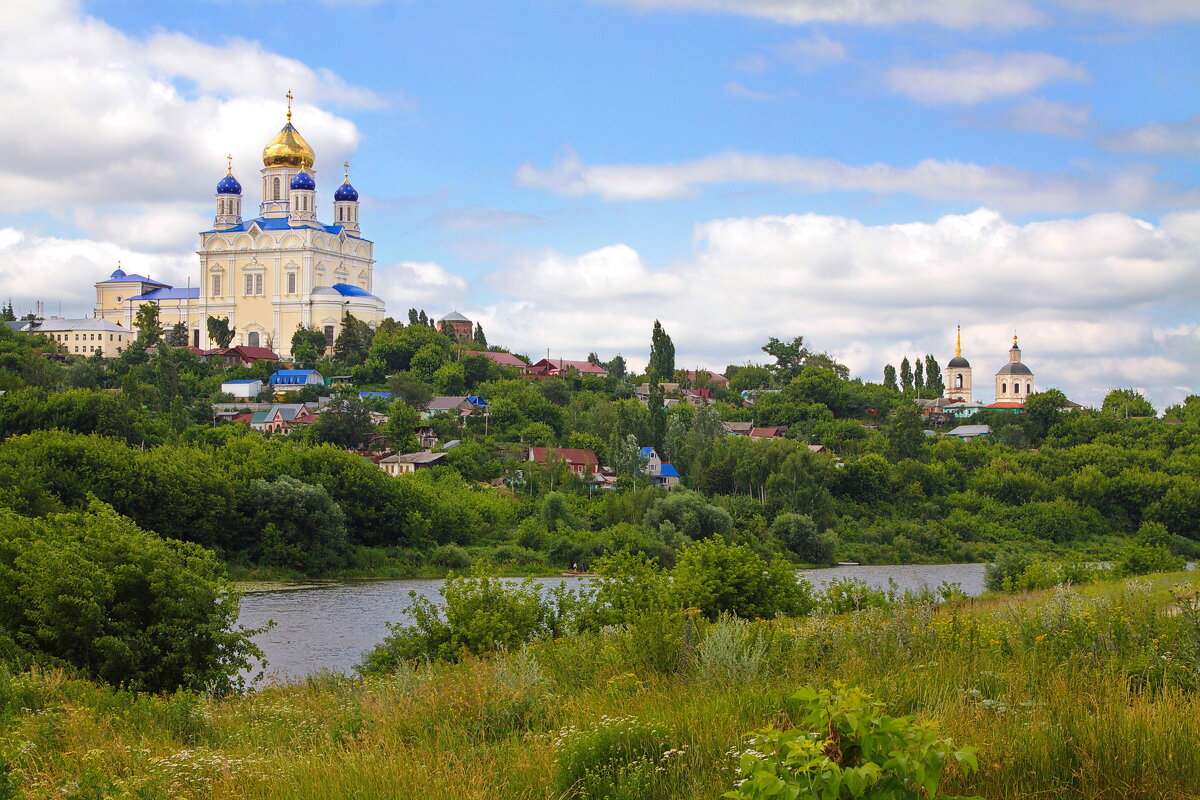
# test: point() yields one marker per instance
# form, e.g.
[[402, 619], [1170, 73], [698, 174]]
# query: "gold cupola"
[[288, 148]]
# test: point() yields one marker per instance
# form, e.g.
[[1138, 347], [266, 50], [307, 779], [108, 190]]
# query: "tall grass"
[[1077, 694]]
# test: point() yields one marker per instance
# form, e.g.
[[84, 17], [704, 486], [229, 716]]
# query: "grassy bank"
[[1082, 693]]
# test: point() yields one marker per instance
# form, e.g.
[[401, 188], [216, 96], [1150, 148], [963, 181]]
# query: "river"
[[329, 627]]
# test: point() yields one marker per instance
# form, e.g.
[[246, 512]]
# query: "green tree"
[[354, 341], [427, 361], [801, 535], [935, 385], [662, 354], [219, 331], [479, 339], [145, 321], [790, 357], [308, 344], [177, 336], [616, 368], [721, 578], [344, 422], [919, 378], [889, 378], [1042, 411], [91, 590], [905, 433], [1127, 403], [7, 314], [300, 525], [411, 389], [403, 419], [906, 376]]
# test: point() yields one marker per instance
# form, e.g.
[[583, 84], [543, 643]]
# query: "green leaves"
[[846, 747]]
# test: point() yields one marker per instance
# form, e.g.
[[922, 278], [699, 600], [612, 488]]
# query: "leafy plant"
[[844, 746]]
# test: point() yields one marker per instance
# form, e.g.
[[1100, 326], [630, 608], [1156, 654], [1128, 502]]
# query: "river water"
[[329, 627]]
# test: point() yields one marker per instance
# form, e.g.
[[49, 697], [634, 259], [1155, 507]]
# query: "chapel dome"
[[1014, 368], [229, 185], [958, 362], [346, 192], [288, 149], [304, 180]]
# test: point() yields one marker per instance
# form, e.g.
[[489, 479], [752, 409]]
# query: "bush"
[[844, 746], [620, 758], [93, 591], [450, 556], [717, 577]]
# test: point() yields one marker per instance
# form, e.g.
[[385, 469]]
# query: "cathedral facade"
[[271, 274]]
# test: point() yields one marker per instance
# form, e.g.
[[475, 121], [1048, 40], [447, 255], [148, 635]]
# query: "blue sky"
[[867, 175]]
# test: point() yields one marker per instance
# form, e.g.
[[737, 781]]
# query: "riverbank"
[[1065, 694]]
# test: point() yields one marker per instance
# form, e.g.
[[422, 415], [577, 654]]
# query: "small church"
[[1014, 380], [273, 273]]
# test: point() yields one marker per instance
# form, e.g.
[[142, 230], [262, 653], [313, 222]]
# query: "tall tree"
[[177, 336], [889, 378], [480, 339], [219, 331], [413, 319], [662, 354], [905, 436], [1127, 403], [616, 368], [344, 422], [403, 419], [934, 384], [7, 314], [354, 341], [790, 357], [658, 414], [148, 327], [906, 376], [309, 341], [919, 378]]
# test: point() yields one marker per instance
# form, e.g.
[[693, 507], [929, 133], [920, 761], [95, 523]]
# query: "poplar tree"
[[919, 377], [934, 383], [480, 339], [889, 378], [906, 376], [662, 354]]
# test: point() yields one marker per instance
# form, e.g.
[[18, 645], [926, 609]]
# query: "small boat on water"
[[848, 564], [572, 573]]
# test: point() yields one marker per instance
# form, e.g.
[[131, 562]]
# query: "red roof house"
[[581, 462], [558, 366], [503, 359]]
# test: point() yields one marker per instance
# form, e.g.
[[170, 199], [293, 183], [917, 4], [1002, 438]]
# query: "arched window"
[[1004, 388], [252, 338], [1016, 388], [958, 381], [275, 191], [341, 212]]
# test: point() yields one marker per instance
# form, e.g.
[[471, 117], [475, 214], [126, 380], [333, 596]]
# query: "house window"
[[216, 285], [252, 338], [291, 283], [275, 191], [329, 336]]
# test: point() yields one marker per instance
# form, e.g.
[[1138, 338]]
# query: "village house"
[[239, 356], [281, 417], [660, 473], [582, 462], [503, 359], [738, 428], [402, 464], [245, 388], [462, 406], [548, 367], [774, 432], [289, 380], [707, 379], [969, 432]]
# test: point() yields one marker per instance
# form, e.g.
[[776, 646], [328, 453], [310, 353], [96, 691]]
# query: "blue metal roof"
[[123, 278], [669, 471], [169, 293], [291, 377], [229, 185], [346, 290], [476, 400], [244, 380], [346, 192], [646, 451], [380, 395], [280, 224]]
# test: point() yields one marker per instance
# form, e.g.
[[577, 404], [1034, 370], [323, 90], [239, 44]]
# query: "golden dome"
[[288, 149]]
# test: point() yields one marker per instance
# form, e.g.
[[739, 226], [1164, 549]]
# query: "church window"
[[1004, 388], [249, 285], [216, 285], [958, 381], [329, 336], [275, 190], [252, 339], [258, 284], [1016, 388], [291, 283]]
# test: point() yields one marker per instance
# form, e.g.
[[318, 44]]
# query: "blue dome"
[[346, 192], [304, 181], [117, 273], [229, 185]]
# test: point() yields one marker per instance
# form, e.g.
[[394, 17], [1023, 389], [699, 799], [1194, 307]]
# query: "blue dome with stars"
[[229, 185], [346, 192], [304, 181]]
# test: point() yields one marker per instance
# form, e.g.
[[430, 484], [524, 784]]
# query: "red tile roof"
[[767, 433], [506, 359], [569, 454], [1006, 404], [562, 364]]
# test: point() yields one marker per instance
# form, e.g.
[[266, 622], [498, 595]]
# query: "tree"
[[345, 422], [906, 376], [92, 590], [302, 527], [662, 354], [7, 314], [148, 327], [616, 368], [801, 535], [905, 434], [1127, 403], [177, 336], [479, 339], [656, 403], [219, 331], [934, 384], [354, 341], [1042, 410], [400, 427], [789, 357], [889, 378], [721, 578], [919, 378], [308, 341]]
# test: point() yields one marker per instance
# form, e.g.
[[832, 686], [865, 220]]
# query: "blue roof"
[[279, 224], [245, 380], [302, 180], [476, 400], [123, 278], [169, 293], [346, 192], [346, 290], [646, 451], [291, 377], [229, 185], [669, 471], [380, 395]]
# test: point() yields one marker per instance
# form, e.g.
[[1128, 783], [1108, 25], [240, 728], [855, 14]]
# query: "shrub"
[[728, 654], [718, 577], [844, 746], [621, 758], [450, 556], [843, 595], [93, 591]]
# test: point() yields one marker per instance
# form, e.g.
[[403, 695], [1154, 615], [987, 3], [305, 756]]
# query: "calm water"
[[330, 627]]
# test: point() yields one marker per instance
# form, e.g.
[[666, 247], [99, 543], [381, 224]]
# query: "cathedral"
[[271, 274], [1014, 380]]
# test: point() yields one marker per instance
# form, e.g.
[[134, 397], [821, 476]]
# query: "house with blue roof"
[[269, 273], [290, 380], [245, 388], [660, 472]]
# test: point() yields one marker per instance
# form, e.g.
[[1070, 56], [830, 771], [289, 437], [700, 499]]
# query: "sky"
[[867, 174]]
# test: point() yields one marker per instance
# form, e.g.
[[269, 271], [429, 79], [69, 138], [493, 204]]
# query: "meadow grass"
[[1082, 693]]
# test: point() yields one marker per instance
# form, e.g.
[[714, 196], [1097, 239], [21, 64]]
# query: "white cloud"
[[420, 283], [1046, 116], [972, 77], [736, 89], [814, 51], [1159, 138], [122, 119], [1006, 188], [953, 14], [475, 218], [1140, 10], [1079, 293]]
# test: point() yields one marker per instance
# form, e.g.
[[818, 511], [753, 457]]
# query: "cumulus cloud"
[[958, 14], [420, 283], [972, 77], [1140, 10], [96, 116], [1046, 116], [1159, 138], [1005, 188], [814, 51], [1078, 291]]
